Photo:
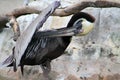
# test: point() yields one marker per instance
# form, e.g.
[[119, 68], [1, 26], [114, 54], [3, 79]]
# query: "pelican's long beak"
[[80, 28], [57, 32]]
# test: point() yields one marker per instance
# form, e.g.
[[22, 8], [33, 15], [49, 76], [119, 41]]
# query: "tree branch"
[[60, 12], [84, 4], [4, 18]]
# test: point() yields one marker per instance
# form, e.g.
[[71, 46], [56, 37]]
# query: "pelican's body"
[[42, 50]]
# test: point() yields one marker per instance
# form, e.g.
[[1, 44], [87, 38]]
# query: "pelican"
[[46, 46]]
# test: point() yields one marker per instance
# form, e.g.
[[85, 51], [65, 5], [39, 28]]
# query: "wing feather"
[[24, 40]]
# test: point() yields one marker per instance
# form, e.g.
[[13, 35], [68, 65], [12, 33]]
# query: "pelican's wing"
[[25, 38]]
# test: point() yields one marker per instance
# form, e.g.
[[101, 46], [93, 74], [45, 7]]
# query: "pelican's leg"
[[46, 68]]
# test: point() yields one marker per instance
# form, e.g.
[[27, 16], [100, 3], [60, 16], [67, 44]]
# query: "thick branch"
[[70, 9], [60, 12], [84, 4], [22, 11], [4, 18], [15, 27]]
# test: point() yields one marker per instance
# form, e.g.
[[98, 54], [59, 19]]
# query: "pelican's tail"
[[7, 62]]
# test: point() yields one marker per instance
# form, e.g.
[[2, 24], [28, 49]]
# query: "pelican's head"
[[83, 21], [84, 26]]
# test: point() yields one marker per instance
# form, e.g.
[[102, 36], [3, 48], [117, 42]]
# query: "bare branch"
[[22, 11], [60, 12], [15, 27], [84, 4], [4, 18], [70, 9]]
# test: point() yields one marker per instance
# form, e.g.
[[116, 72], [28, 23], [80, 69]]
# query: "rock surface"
[[93, 57]]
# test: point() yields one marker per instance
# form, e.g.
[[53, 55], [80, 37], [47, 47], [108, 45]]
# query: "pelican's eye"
[[78, 23]]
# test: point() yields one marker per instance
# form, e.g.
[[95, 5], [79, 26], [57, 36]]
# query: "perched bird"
[[48, 45]]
